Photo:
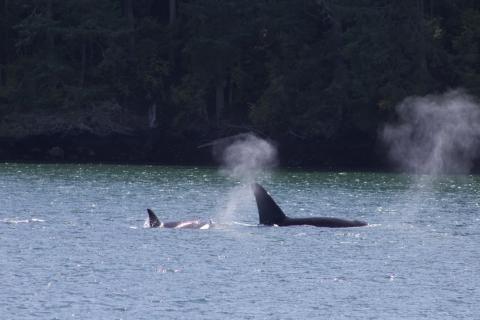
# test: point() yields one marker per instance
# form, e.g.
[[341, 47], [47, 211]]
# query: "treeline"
[[307, 72]]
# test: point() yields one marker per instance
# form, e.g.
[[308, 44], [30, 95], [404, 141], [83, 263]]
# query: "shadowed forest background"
[[151, 80]]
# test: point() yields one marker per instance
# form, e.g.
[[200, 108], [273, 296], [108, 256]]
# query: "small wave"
[[373, 225], [244, 224], [464, 234], [146, 223], [162, 269], [17, 221]]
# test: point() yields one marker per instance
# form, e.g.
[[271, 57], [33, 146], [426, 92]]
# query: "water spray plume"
[[435, 134], [243, 158], [246, 157]]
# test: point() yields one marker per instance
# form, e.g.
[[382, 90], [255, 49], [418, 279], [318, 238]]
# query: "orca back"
[[268, 211], [152, 219]]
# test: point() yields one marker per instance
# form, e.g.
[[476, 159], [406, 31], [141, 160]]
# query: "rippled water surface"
[[73, 245]]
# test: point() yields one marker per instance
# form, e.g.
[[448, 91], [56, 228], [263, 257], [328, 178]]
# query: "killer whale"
[[270, 214], [154, 222]]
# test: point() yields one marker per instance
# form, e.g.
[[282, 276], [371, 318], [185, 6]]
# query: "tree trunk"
[[3, 76], [128, 11], [340, 70], [339, 77], [171, 21], [4, 44], [83, 61], [230, 93], [219, 100], [334, 92], [152, 116], [423, 76], [172, 12], [50, 38]]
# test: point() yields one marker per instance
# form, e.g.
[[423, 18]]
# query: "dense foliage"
[[307, 71]]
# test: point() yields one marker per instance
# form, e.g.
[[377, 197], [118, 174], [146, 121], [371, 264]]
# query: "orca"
[[270, 214], [154, 222]]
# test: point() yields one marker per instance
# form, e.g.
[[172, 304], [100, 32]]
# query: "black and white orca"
[[154, 222], [270, 214]]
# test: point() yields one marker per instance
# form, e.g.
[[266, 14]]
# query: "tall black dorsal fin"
[[152, 219], [269, 212]]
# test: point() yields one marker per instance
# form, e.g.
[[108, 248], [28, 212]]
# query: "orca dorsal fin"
[[152, 219], [269, 212]]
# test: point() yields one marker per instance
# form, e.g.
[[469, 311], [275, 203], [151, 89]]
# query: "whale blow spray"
[[243, 159], [248, 156], [435, 134]]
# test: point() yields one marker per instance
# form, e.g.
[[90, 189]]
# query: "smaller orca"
[[270, 214], [154, 222]]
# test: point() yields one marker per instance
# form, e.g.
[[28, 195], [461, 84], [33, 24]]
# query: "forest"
[[151, 80]]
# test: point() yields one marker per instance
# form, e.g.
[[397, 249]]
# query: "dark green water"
[[74, 246]]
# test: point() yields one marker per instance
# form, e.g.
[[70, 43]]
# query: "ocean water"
[[74, 246]]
